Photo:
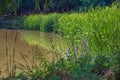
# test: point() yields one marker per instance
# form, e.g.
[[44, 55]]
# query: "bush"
[[49, 23], [46, 23], [32, 22]]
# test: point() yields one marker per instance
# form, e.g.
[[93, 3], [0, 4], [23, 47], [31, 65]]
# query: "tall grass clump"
[[32, 22], [49, 23], [42, 22], [10, 59], [100, 27], [100, 30]]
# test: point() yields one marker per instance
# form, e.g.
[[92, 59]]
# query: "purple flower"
[[84, 45], [76, 48]]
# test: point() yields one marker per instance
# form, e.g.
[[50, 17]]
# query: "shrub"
[[46, 23], [49, 23], [32, 22]]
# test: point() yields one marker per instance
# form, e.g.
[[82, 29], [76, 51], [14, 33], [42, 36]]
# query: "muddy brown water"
[[20, 47]]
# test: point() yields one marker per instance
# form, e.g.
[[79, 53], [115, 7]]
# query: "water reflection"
[[47, 41], [36, 38], [26, 43]]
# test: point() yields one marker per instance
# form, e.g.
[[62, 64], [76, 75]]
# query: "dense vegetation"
[[100, 27], [90, 50], [90, 45], [25, 6]]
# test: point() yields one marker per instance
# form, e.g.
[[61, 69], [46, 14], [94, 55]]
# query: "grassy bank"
[[92, 50], [93, 34], [100, 27]]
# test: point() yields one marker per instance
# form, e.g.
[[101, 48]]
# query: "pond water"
[[25, 42]]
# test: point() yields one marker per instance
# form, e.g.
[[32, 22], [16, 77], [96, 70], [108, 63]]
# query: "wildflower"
[[76, 48], [84, 45], [76, 51]]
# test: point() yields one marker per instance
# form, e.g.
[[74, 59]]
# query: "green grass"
[[47, 41], [10, 58], [42, 22], [91, 43], [36, 40], [100, 26]]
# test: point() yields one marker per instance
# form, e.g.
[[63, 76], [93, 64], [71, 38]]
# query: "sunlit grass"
[[36, 39], [48, 41], [86, 45]]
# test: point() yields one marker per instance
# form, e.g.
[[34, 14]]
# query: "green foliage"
[[44, 23], [49, 23], [94, 35], [9, 6], [32, 22], [100, 28], [97, 30], [22, 6]]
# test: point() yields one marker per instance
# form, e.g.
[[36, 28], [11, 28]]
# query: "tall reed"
[[10, 57]]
